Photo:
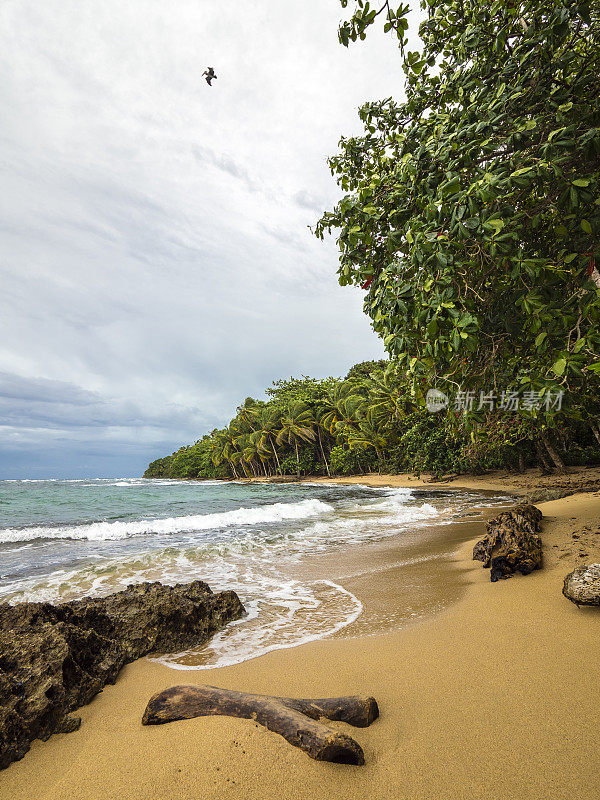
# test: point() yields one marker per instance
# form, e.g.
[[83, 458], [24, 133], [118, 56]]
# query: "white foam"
[[100, 531], [330, 607]]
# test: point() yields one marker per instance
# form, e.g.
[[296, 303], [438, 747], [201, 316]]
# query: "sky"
[[156, 261]]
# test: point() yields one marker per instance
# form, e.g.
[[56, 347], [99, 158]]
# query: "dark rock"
[[55, 658], [511, 543], [582, 586]]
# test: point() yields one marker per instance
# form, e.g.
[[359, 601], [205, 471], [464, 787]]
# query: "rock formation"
[[55, 658], [511, 543], [582, 586]]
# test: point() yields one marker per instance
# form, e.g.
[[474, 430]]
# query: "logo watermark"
[[436, 400], [507, 400]]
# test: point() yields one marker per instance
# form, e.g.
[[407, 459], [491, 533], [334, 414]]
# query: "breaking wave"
[[101, 531]]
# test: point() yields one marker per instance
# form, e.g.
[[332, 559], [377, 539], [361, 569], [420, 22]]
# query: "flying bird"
[[210, 74]]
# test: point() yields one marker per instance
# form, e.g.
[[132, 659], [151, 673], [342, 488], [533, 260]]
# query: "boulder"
[[511, 543], [55, 658], [582, 586]]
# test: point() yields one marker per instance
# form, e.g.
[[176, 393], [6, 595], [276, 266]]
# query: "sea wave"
[[100, 531], [311, 611]]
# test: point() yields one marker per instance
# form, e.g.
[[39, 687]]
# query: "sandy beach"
[[497, 696]]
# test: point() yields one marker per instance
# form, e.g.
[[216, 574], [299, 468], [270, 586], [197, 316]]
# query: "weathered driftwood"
[[295, 720]]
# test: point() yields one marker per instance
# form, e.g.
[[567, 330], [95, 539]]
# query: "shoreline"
[[529, 485], [496, 696]]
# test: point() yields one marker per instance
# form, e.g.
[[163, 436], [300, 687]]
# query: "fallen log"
[[294, 719]]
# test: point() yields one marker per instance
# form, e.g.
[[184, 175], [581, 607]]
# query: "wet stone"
[[582, 586]]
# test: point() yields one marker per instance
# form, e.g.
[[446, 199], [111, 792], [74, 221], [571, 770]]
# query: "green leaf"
[[540, 338], [558, 368], [432, 328], [521, 171], [586, 226], [451, 187]]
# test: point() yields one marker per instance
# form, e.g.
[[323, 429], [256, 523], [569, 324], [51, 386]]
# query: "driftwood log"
[[295, 720]]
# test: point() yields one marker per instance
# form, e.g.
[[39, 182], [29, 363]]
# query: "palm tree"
[[322, 429], [247, 445], [296, 425], [351, 411], [269, 423], [222, 447], [336, 407], [368, 435], [388, 399]]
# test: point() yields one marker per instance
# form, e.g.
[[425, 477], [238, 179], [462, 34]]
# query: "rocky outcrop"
[[582, 586], [55, 658], [511, 543]]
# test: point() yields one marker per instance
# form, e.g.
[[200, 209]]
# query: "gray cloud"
[[306, 199], [156, 262]]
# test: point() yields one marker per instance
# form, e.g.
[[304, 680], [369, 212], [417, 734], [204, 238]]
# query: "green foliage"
[[159, 468], [367, 423], [345, 461], [304, 463], [473, 207], [442, 444], [364, 369]]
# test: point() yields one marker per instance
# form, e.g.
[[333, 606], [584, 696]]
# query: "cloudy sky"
[[156, 261]]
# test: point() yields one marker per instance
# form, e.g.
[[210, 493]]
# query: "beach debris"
[[55, 658], [582, 586], [296, 720], [511, 543]]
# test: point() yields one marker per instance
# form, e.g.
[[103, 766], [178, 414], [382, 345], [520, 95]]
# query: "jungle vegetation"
[[364, 422]]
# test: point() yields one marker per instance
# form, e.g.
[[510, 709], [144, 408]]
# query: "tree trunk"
[[521, 463], [594, 428], [322, 451], [297, 457], [545, 465], [295, 720], [553, 453], [276, 456]]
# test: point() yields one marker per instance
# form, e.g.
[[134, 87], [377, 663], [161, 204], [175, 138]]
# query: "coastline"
[[577, 479], [494, 697]]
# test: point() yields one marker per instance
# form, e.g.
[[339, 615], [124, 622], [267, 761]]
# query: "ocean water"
[[291, 551]]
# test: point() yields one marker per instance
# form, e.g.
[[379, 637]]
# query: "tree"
[[296, 426], [365, 368], [472, 211]]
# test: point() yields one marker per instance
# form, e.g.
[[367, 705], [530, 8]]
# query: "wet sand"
[[497, 696]]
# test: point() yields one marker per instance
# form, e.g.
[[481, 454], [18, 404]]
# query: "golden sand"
[[498, 696]]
